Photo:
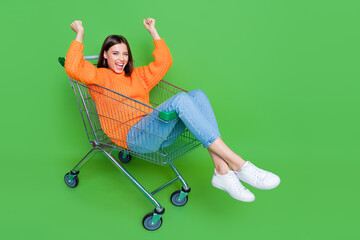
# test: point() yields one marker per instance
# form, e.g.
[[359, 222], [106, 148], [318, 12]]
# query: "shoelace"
[[235, 184], [255, 171]]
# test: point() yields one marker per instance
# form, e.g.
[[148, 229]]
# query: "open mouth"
[[119, 66]]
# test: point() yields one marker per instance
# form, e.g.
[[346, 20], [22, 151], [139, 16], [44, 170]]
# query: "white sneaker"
[[257, 177], [231, 184]]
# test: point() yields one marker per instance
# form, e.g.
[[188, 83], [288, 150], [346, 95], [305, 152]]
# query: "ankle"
[[238, 166], [222, 171]]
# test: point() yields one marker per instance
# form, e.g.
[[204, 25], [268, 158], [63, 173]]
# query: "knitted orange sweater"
[[118, 114]]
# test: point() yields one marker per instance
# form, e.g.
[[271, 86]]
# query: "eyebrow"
[[118, 51]]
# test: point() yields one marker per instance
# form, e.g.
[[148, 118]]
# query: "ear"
[[105, 55]]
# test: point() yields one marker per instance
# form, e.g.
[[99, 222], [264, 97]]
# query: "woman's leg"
[[221, 166], [205, 108], [198, 104], [192, 116], [223, 156], [174, 135], [219, 148], [204, 105], [149, 133], [199, 123], [196, 113]]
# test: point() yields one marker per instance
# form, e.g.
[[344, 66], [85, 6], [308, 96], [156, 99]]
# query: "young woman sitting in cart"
[[115, 71]]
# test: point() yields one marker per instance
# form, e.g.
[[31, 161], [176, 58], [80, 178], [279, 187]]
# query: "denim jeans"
[[194, 112]]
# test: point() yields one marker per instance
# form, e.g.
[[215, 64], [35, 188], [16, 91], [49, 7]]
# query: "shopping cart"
[[94, 118]]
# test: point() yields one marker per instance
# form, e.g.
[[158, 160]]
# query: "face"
[[117, 57]]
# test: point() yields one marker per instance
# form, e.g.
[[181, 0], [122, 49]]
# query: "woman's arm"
[[156, 70], [75, 66], [79, 29], [150, 26]]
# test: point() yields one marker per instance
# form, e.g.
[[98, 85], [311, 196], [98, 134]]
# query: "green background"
[[283, 79]]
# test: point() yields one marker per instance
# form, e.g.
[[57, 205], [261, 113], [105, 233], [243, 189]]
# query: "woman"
[[116, 72]]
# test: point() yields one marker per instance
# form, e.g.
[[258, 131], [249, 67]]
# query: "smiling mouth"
[[119, 66]]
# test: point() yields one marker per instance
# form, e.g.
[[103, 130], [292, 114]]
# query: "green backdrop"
[[283, 79]]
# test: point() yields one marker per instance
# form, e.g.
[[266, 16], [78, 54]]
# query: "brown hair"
[[108, 43]]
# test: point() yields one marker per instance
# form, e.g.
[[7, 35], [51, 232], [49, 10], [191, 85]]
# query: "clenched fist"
[[77, 26], [79, 29], [149, 24]]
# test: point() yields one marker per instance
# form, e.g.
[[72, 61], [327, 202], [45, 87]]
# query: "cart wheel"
[[174, 199], [74, 182], [147, 222], [125, 159]]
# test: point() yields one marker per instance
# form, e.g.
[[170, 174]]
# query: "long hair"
[[108, 43]]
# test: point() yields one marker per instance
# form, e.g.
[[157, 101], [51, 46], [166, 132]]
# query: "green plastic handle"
[[62, 61], [168, 115]]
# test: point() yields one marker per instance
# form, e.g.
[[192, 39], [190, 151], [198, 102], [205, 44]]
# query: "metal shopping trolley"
[[94, 117]]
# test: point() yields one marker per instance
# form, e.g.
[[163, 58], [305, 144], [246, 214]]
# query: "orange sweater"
[[118, 114]]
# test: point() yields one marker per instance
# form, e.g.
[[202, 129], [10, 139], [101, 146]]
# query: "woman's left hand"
[[149, 24]]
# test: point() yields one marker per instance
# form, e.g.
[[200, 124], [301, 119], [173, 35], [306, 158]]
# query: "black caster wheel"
[[74, 182], [147, 222], [124, 159], [174, 199]]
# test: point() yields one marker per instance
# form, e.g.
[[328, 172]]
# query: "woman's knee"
[[183, 96], [197, 93]]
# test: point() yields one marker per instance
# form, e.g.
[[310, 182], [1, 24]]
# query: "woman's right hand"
[[77, 27]]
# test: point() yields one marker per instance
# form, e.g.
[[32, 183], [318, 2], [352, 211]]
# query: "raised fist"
[[77, 26], [149, 23]]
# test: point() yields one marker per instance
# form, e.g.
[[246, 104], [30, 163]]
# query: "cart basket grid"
[[101, 108]]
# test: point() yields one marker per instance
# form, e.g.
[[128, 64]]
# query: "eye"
[[126, 54], [115, 53]]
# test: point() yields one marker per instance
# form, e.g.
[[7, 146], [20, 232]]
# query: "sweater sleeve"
[[79, 69], [152, 74]]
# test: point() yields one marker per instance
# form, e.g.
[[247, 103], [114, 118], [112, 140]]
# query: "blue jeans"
[[194, 112]]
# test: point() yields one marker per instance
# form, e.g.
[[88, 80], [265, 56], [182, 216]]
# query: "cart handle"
[[166, 116], [62, 59]]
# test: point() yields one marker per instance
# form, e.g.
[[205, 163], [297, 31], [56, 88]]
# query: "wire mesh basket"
[[120, 107]]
